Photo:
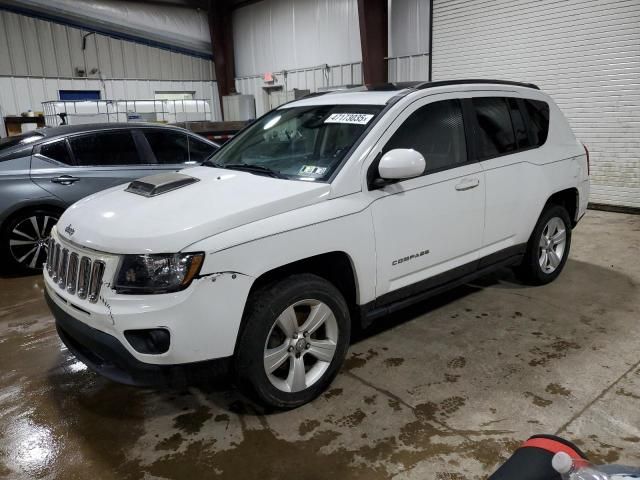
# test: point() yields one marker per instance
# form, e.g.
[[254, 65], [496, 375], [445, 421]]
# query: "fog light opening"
[[153, 341]]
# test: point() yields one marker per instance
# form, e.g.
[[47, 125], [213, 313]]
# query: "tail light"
[[586, 150]]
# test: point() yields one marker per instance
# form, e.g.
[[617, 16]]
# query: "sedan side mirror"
[[400, 164]]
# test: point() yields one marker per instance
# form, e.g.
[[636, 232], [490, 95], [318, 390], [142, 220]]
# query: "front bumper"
[[203, 320], [104, 353], [107, 356]]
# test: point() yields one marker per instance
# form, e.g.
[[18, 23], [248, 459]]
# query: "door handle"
[[64, 179], [467, 184]]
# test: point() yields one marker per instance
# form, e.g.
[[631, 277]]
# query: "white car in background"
[[330, 211]]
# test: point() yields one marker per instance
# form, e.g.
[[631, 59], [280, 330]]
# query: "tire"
[[275, 319], [24, 246], [546, 252]]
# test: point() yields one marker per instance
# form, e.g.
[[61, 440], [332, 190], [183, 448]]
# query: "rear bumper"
[[105, 354]]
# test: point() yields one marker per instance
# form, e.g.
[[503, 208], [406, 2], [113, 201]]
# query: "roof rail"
[[444, 83]]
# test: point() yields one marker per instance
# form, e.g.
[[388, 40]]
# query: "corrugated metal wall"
[[585, 53], [306, 37], [175, 25], [37, 58], [408, 40], [408, 67], [316, 41], [19, 94], [276, 35], [304, 79]]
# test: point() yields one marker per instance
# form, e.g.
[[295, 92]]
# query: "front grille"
[[75, 274]]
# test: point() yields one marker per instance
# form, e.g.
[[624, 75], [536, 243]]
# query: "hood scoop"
[[155, 185]]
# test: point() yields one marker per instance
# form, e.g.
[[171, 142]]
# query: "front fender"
[[257, 250]]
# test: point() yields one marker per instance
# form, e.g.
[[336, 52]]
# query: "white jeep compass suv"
[[327, 212]]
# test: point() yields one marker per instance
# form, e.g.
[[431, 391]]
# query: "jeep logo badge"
[[69, 230]]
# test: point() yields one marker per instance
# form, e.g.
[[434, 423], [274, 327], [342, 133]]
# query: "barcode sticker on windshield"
[[312, 170], [355, 118]]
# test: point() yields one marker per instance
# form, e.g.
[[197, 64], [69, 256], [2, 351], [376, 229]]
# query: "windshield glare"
[[302, 143]]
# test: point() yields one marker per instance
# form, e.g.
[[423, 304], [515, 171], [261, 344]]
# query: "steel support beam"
[[373, 19], [221, 29]]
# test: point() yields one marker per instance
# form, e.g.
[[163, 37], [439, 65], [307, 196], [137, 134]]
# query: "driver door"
[[428, 230]]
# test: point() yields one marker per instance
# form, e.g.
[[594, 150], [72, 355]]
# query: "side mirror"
[[401, 163]]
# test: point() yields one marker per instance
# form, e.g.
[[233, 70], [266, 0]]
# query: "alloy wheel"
[[552, 245], [301, 345], [29, 240]]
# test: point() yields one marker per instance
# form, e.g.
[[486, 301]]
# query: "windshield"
[[303, 143]]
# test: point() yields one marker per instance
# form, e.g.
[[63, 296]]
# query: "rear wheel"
[[295, 337], [24, 240], [548, 247]]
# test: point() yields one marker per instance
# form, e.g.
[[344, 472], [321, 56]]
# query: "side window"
[[57, 151], [169, 147], [437, 132], [199, 151], [105, 149], [519, 125], [495, 133], [538, 112]]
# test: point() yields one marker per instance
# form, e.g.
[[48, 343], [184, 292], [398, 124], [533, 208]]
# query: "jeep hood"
[[119, 221]]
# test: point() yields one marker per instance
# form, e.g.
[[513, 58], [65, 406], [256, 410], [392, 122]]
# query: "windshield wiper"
[[258, 169]]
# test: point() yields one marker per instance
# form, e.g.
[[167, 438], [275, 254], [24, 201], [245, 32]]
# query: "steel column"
[[373, 19]]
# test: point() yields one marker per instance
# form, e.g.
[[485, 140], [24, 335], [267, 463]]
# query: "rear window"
[[105, 148], [57, 151], [199, 151], [168, 147], [495, 132], [519, 125], [538, 112]]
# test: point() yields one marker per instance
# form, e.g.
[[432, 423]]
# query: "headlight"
[[158, 273]]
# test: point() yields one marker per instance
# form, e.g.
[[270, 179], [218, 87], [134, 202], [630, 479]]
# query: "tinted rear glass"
[[199, 151], [105, 148], [495, 133], [519, 125], [167, 146], [57, 151], [538, 112]]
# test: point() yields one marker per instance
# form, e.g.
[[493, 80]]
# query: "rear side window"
[[495, 132], [199, 151], [437, 132], [105, 149], [519, 125], [57, 151], [169, 147], [538, 112]]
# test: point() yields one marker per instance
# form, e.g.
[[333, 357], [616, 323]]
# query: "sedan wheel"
[[27, 240]]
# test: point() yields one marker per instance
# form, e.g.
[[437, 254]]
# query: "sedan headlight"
[[157, 273]]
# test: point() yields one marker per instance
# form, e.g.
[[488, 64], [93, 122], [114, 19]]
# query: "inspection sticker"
[[355, 118], [312, 170]]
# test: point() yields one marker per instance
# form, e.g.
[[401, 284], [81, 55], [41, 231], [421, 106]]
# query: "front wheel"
[[24, 240], [295, 337], [548, 247]]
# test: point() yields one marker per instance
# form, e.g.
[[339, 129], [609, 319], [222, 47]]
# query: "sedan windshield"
[[302, 143]]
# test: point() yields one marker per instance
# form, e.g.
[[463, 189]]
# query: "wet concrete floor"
[[444, 390]]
